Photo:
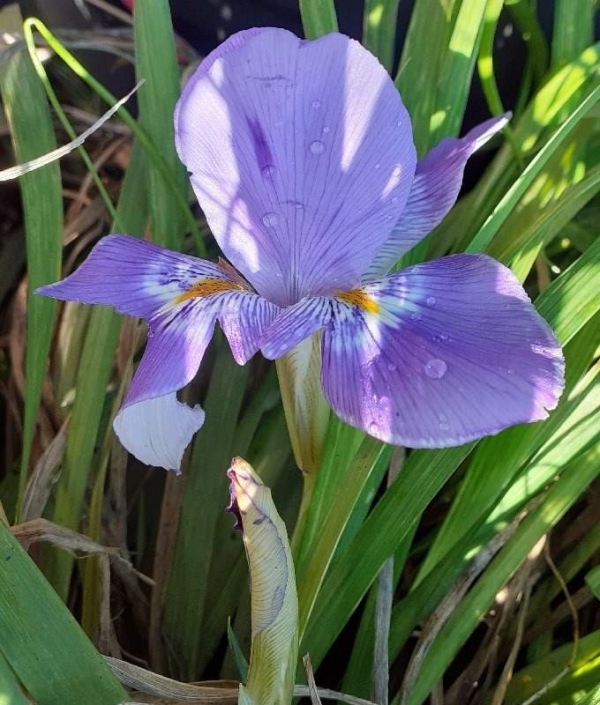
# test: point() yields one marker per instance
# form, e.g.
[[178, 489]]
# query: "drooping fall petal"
[[440, 354], [181, 298]]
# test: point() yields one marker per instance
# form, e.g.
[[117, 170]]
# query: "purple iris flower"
[[302, 159]]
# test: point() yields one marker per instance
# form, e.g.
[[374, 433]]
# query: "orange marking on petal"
[[360, 298], [206, 287]]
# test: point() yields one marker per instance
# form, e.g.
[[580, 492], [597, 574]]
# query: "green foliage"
[[462, 524]]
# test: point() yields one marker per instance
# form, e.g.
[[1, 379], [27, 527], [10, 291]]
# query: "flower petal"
[[454, 351], [181, 298], [437, 182], [132, 275], [295, 324], [300, 171], [178, 338], [157, 431], [244, 318]]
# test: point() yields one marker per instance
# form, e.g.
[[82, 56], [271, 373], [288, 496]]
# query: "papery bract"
[[301, 156]]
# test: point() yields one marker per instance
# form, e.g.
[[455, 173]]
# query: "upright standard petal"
[[440, 354], [301, 171], [434, 191]]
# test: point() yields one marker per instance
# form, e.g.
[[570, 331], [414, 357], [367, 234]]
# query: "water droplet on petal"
[[270, 219], [394, 199], [436, 368], [326, 129], [415, 316], [444, 427], [316, 104], [297, 205], [510, 371], [268, 171], [317, 147], [392, 367], [431, 301], [378, 166], [373, 427], [442, 417]]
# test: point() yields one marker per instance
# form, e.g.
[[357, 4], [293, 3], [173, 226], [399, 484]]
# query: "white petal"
[[157, 431]]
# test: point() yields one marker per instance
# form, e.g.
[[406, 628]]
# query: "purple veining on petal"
[[263, 154], [338, 174], [436, 185], [455, 352]]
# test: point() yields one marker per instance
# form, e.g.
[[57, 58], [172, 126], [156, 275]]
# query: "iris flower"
[[301, 156]]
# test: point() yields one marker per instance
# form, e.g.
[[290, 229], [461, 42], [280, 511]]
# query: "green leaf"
[[573, 29], [201, 512], [390, 522], [318, 18], [33, 622], [437, 66], [156, 63], [562, 494], [91, 387], [41, 192], [379, 29], [507, 204]]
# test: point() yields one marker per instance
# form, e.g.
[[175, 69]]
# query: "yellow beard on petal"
[[206, 287], [359, 298]]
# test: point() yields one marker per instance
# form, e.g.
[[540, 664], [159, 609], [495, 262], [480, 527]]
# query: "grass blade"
[[41, 191], [318, 17], [33, 621]]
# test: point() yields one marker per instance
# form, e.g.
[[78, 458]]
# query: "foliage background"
[[484, 557]]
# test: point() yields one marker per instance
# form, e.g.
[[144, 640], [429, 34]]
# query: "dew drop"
[[373, 427], [297, 205], [316, 104], [268, 171], [415, 316], [392, 367], [317, 147], [431, 301], [510, 371], [394, 199], [444, 426], [443, 336], [436, 368], [442, 417], [377, 166], [326, 129], [270, 219]]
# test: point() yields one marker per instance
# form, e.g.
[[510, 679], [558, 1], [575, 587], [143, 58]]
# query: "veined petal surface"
[[434, 191], [301, 157], [133, 276], [449, 351], [181, 298], [294, 324]]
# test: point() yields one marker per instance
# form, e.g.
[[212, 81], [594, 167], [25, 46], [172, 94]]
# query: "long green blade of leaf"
[[41, 192], [41, 640]]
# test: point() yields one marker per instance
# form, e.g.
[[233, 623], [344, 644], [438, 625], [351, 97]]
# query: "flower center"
[[360, 298]]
